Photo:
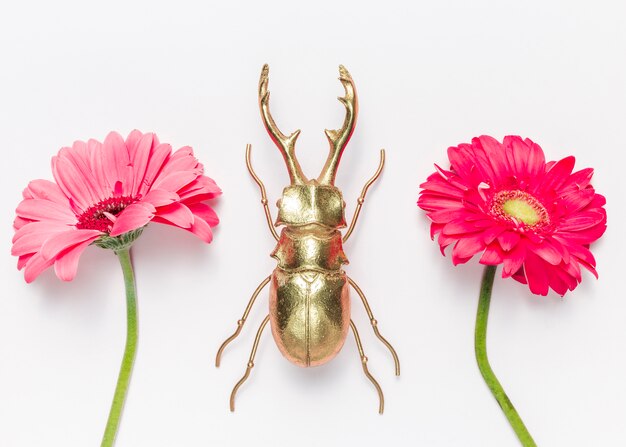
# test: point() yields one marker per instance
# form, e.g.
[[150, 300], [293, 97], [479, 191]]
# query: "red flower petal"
[[465, 248], [508, 240]]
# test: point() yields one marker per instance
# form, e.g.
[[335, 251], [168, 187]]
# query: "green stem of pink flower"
[[480, 340], [123, 380]]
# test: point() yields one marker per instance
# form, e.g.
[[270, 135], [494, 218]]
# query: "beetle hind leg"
[[241, 322], [250, 363], [374, 324], [381, 397]]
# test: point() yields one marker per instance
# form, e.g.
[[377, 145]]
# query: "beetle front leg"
[[375, 324], [250, 363], [268, 214], [241, 322], [361, 198]]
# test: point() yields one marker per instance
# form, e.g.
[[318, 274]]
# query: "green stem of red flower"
[[480, 340], [123, 380]]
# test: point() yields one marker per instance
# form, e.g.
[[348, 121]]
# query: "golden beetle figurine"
[[309, 292]]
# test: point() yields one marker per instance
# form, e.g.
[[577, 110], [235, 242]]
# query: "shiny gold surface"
[[309, 315], [339, 138], [309, 292], [304, 249], [286, 145], [311, 203]]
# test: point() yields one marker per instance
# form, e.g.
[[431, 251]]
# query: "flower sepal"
[[121, 242]]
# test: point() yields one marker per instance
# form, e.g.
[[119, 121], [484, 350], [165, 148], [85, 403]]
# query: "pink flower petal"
[[582, 221], [133, 217], [72, 182], [508, 240], [35, 265], [459, 227], [140, 151], [160, 197], [496, 155], [47, 190], [202, 188], [39, 209], [547, 252], [558, 174], [116, 162], [66, 263], [492, 256], [177, 214], [205, 212], [175, 180], [513, 261], [63, 241], [536, 274], [536, 162], [31, 237], [23, 260], [202, 229], [157, 159], [465, 248]]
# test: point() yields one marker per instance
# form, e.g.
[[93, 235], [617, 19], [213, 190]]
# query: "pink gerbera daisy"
[[105, 193], [504, 202]]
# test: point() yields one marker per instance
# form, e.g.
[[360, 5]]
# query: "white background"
[[429, 75]]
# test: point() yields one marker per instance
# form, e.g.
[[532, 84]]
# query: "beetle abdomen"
[[309, 314]]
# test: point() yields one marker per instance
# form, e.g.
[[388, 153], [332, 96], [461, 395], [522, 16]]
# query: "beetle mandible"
[[309, 301]]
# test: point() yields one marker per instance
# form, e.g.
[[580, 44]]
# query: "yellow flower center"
[[519, 207], [521, 210]]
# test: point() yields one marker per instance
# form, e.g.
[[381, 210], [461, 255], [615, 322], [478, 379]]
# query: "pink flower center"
[[519, 208], [101, 215]]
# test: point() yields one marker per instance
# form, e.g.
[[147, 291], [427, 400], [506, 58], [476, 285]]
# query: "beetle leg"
[[381, 398], [361, 198], [241, 322], [268, 214], [375, 325], [250, 363]]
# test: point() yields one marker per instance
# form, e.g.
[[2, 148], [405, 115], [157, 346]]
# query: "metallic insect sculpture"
[[309, 300]]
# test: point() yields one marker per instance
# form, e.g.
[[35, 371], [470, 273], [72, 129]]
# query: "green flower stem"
[[480, 340], [128, 360]]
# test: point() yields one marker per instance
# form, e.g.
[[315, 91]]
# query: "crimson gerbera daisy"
[[106, 190], [537, 219], [504, 201]]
